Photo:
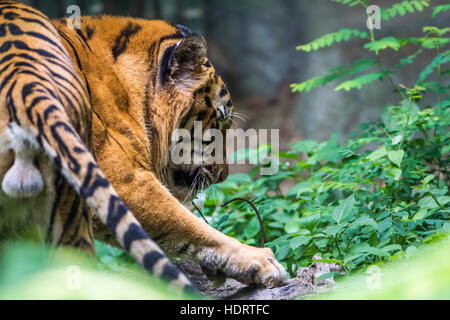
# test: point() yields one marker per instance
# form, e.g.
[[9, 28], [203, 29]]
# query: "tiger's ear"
[[185, 63], [189, 59]]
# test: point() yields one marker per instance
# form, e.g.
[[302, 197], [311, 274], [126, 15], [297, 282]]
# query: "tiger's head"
[[187, 82]]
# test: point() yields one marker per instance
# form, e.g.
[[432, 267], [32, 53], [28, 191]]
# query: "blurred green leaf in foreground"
[[30, 271], [424, 274]]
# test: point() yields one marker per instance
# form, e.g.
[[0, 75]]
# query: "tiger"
[[49, 176], [140, 81]]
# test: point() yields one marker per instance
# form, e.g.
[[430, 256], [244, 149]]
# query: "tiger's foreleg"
[[181, 234]]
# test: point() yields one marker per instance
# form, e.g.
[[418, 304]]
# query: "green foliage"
[[331, 38], [334, 73], [404, 7], [441, 8], [349, 202], [374, 197], [433, 39], [350, 3], [359, 81], [441, 59], [30, 271], [424, 274], [388, 42]]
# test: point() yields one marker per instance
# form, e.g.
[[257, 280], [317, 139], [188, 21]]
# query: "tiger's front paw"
[[246, 264], [257, 266]]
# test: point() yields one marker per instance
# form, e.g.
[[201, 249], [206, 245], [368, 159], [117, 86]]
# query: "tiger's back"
[[46, 169]]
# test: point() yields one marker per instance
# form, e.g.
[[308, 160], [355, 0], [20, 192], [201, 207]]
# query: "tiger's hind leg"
[[70, 222]]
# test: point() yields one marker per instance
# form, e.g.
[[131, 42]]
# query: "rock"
[[305, 284]]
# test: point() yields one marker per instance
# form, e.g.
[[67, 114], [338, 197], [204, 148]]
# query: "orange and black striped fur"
[[45, 121], [138, 80]]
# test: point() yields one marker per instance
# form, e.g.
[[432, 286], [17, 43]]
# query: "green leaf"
[[252, 228], [382, 44], [392, 247], [328, 39], [299, 241], [328, 261], [335, 229], [385, 224], [377, 154], [439, 9], [421, 214], [444, 57], [333, 74], [283, 253], [364, 221], [402, 7], [298, 189], [396, 173], [344, 209], [430, 202], [305, 146], [327, 276], [428, 178], [396, 157], [358, 82], [292, 226], [395, 118]]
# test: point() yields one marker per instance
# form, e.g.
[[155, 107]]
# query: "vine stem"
[[379, 60], [263, 234], [407, 124], [438, 51], [435, 199]]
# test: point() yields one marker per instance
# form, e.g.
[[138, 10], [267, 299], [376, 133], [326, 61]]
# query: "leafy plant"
[[377, 196]]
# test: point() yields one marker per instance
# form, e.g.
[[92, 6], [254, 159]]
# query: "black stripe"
[[208, 102], [11, 106], [134, 232], [73, 48], [87, 189], [170, 272], [151, 259], [35, 12], [35, 61], [116, 211], [63, 149], [151, 55], [83, 40], [170, 37], [122, 40], [70, 218], [166, 64], [223, 92], [17, 31], [59, 184], [89, 32], [39, 22], [33, 104]]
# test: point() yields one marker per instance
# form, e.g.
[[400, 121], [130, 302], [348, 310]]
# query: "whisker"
[[215, 197], [191, 188], [240, 115]]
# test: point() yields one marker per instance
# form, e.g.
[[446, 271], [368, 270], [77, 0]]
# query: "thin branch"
[[263, 234]]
